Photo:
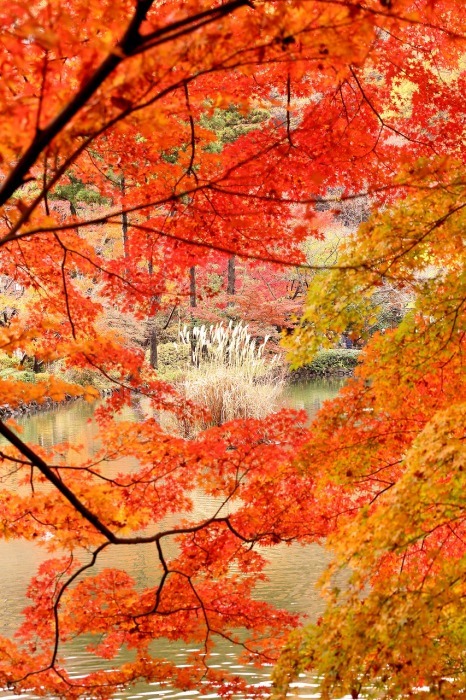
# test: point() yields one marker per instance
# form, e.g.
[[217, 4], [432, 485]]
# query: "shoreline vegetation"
[[338, 362], [12, 369]]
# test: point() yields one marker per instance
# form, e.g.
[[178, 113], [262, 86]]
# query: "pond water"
[[292, 570]]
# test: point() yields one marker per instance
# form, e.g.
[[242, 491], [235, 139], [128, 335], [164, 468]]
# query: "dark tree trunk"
[[37, 365], [231, 283], [124, 221], [153, 338], [192, 303], [153, 341], [192, 286]]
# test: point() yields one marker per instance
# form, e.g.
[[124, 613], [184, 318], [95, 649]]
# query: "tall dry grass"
[[229, 375]]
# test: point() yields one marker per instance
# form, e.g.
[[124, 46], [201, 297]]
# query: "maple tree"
[[116, 103], [266, 297], [396, 458]]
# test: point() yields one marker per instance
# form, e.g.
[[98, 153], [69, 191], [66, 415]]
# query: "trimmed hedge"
[[329, 362]]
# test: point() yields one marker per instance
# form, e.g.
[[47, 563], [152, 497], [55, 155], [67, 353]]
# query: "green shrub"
[[8, 362], [43, 376], [336, 361], [18, 375], [87, 377], [7, 373], [172, 359], [24, 376]]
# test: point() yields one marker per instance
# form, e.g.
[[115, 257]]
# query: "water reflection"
[[293, 569], [311, 395]]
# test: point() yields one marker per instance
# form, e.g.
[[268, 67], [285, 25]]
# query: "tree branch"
[[50, 475], [44, 137], [131, 43]]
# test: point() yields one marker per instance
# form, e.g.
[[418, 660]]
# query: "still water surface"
[[292, 570]]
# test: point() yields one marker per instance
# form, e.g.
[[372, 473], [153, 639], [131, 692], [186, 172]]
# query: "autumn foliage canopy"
[[361, 102]]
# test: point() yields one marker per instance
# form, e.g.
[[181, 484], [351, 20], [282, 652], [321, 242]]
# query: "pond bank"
[[67, 391], [32, 407], [339, 362], [334, 363]]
